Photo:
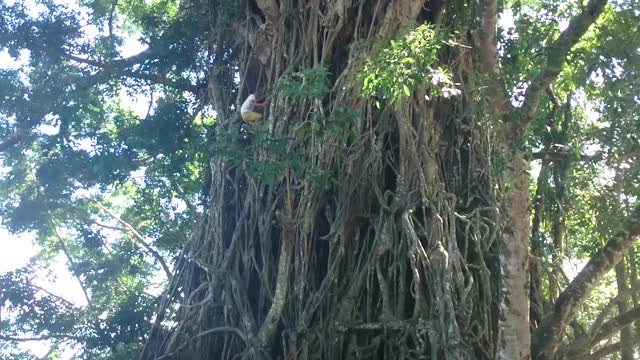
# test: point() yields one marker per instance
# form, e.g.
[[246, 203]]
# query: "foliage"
[[267, 158], [593, 188], [88, 167], [310, 83], [399, 66]]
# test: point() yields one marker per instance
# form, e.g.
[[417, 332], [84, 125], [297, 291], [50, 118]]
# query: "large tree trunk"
[[388, 235], [515, 339]]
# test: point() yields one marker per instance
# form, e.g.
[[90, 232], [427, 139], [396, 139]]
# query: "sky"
[[17, 250]]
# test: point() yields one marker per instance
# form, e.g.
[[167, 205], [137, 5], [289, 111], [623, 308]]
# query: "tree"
[[98, 185], [381, 209]]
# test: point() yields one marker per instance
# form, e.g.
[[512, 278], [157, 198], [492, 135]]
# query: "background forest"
[[425, 171]]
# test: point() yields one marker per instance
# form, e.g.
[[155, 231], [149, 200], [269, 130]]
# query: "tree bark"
[[535, 263], [614, 325], [558, 229], [515, 338], [626, 336], [514, 321], [548, 336]]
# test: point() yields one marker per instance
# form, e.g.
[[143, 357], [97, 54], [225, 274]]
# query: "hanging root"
[[333, 235]]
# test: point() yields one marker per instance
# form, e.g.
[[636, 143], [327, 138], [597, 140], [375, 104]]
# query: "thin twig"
[[40, 338], [72, 263], [138, 236]]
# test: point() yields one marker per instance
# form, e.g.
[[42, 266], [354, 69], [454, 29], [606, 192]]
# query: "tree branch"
[[582, 346], [563, 155], [38, 288], [270, 10], [488, 44], [398, 13], [607, 350], [614, 325], [115, 228], [14, 139], [275, 312], [138, 236], [39, 338], [597, 324], [74, 269], [556, 54], [72, 264], [548, 336], [120, 71], [114, 5]]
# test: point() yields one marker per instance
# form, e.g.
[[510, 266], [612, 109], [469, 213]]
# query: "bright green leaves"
[[407, 92], [263, 156], [202, 121], [310, 83], [141, 15], [405, 64], [268, 158]]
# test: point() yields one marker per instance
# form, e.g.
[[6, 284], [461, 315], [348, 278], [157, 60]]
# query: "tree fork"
[[548, 336]]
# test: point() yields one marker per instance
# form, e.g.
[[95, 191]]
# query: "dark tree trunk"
[[381, 237]]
